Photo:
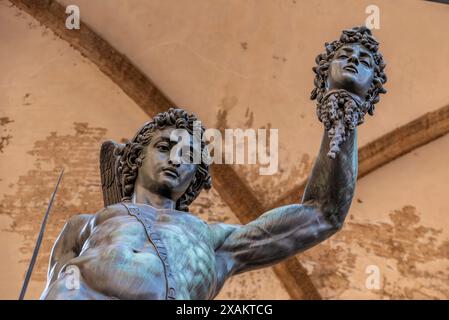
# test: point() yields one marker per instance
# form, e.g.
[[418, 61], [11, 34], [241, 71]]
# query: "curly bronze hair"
[[360, 35], [131, 156]]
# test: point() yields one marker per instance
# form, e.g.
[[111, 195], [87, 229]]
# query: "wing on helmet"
[[110, 182]]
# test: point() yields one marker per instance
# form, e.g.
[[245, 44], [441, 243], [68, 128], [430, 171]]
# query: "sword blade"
[[39, 240]]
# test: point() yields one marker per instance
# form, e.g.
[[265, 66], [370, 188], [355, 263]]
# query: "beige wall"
[[225, 60], [56, 109], [236, 56], [398, 222]]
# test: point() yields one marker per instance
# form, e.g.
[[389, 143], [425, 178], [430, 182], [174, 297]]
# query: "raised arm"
[[285, 231], [332, 182]]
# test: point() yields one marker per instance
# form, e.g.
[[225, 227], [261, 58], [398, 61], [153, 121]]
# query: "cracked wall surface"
[[222, 58], [249, 66], [234, 69], [398, 223], [56, 109]]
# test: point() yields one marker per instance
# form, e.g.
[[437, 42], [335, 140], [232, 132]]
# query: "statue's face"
[[160, 173], [351, 69]]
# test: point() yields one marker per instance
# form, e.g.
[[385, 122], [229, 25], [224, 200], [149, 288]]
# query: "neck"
[[145, 196]]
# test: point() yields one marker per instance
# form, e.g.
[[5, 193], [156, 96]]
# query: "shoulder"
[[79, 219], [105, 213], [115, 208]]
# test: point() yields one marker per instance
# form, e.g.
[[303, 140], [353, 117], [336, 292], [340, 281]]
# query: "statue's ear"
[[110, 179]]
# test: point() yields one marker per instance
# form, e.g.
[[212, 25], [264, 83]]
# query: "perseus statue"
[[144, 244]]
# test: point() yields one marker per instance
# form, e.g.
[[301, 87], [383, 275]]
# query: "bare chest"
[[187, 240]]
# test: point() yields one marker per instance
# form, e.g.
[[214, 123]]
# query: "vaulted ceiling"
[[248, 64]]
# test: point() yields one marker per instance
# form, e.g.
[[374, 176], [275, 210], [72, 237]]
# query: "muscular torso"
[[117, 261]]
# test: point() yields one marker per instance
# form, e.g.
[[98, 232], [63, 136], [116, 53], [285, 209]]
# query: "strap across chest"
[[156, 240]]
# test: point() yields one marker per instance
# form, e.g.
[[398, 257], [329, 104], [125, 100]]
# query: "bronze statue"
[[146, 245]]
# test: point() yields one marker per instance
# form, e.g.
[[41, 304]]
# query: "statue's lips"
[[351, 68], [171, 172]]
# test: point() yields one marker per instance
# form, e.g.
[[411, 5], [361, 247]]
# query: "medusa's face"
[[352, 69], [163, 171]]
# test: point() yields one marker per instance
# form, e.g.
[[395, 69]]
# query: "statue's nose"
[[353, 59], [175, 161]]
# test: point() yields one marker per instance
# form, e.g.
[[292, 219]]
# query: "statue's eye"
[[162, 147], [366, 63]]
